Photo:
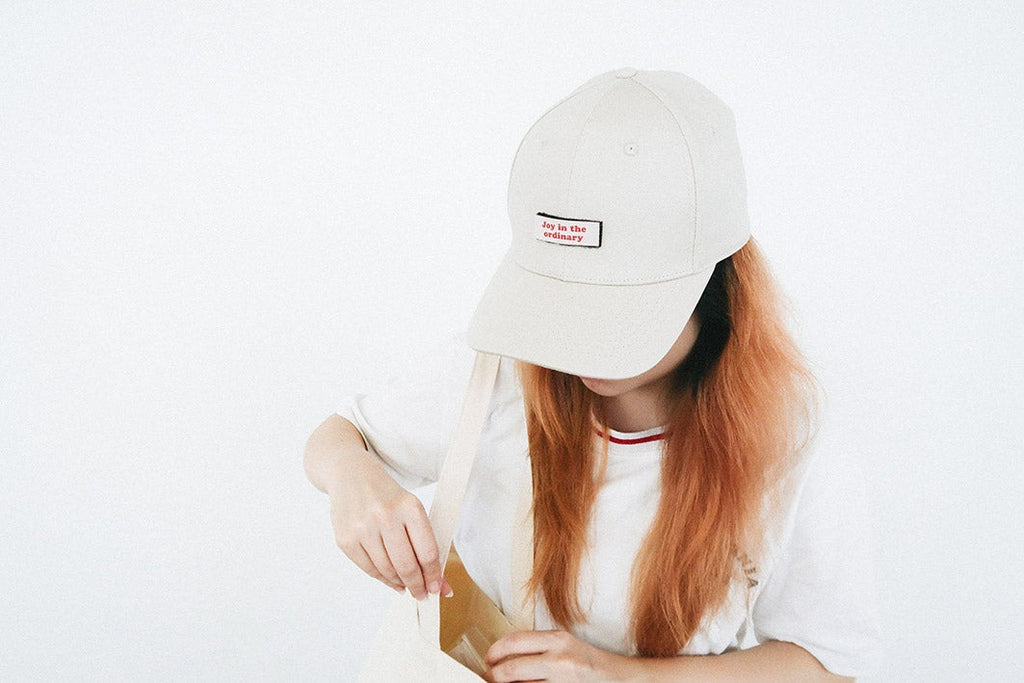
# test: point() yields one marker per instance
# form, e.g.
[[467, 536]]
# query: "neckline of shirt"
[[633, 438]]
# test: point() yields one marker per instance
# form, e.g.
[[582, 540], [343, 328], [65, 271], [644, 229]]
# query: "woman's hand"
[[379, 525], [551, 656], [560, 656], [384, 529]]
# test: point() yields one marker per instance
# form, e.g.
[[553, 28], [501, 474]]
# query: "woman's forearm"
[[335, 452], [561, 656], [379, 525], [770, 661]]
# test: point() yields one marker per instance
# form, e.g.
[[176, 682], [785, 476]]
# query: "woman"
[[656, 403]]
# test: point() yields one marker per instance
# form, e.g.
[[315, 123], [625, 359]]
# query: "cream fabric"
[[406, 647]]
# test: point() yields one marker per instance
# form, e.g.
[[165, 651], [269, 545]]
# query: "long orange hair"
[[742, 407]]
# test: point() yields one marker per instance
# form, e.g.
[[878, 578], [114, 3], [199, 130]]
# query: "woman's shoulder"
[[827, 469], [823, 483], [818, 579]]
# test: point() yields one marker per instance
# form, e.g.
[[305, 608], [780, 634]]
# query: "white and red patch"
[[570, 232]]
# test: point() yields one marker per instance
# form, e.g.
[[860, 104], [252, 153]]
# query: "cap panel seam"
[[540, 118], [576, 152], [655, 91], [632, 282]]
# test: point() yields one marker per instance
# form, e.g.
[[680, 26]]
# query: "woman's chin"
[[602, 387]]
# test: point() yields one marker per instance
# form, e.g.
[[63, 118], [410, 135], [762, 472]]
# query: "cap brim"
[[588, 330]]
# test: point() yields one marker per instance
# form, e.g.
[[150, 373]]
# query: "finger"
[[399, 547], [424, 544], [378, 555], [520, 643], [522, 669], [362, 560]]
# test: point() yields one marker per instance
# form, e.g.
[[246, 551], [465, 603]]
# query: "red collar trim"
[[632, 442]]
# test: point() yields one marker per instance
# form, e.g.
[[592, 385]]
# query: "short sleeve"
[[408, 420], [821, 591]]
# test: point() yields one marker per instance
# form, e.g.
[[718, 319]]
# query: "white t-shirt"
[[814, 583]]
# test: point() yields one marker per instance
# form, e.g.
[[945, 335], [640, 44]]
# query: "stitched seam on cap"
[[624, 283], [530, 130], [693, 171], [575, 154]]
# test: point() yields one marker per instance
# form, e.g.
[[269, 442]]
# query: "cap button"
[[627, 72]]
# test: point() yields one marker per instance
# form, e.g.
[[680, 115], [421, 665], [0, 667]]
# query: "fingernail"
[[434, 587], [450, 593]]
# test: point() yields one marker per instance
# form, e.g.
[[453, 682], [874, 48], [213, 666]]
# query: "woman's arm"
[[379, 525], [560, 656], [772, 661]]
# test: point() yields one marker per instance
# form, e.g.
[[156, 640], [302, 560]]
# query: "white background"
[[218, 221]]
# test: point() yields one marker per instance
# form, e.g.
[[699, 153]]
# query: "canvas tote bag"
[[413, 639]]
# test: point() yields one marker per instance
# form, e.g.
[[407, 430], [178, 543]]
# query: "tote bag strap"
[[451, 484], [522, 613]]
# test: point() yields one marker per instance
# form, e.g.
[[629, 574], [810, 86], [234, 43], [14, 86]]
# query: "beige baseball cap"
[[622, 198]]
